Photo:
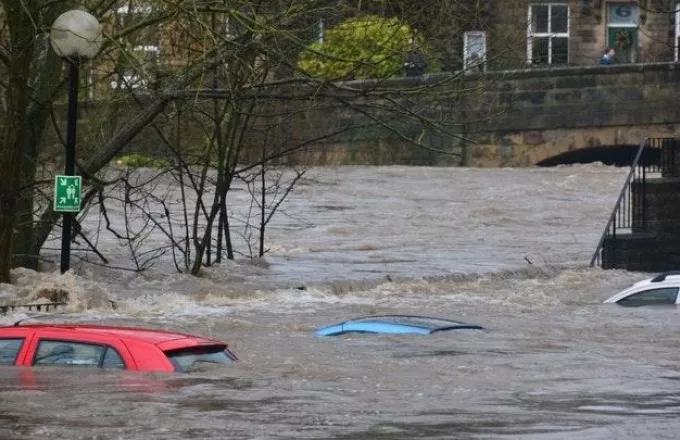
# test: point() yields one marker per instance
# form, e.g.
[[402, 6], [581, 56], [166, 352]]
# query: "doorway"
[[623, 32]]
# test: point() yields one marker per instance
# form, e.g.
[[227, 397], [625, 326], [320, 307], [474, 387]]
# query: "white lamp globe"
[[76, 34]]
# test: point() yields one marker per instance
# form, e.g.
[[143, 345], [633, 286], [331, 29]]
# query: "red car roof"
[[157, 337]]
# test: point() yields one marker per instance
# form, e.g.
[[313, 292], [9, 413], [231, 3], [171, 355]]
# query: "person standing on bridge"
[[416, 63], [608, 57]]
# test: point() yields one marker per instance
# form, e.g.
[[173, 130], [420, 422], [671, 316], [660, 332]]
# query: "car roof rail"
[[48, 315], [38, 307], [662, 277]]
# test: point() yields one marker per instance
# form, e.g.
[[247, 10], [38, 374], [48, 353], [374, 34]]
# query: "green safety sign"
[[67, 193]]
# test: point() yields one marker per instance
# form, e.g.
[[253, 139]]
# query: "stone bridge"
[[502, 118], [557, 113], [542, 116]]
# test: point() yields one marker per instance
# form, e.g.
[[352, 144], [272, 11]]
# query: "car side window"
[[112, 360], [660, 296], [68, 353], [9, 349]]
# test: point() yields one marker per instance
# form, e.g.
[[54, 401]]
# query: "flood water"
[[504, 248]]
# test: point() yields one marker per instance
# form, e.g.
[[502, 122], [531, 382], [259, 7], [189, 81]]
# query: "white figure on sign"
[[71, 192]]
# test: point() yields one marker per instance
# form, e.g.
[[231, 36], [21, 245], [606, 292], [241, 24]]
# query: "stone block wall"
[[545, 113], [587, 34], [630, 252], [662, 206], [509, 118], [640, 253], [521, 117]]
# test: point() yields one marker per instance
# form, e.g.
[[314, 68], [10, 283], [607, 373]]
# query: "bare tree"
[[215, 86]]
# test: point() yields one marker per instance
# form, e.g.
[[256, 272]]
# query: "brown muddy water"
[[552, 363]]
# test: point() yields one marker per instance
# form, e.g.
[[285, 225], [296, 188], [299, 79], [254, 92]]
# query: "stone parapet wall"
[[504, 118], [521, 117]]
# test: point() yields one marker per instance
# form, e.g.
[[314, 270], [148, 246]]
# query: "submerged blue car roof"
[[395, 324]]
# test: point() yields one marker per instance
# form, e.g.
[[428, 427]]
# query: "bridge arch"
[[617, 155]]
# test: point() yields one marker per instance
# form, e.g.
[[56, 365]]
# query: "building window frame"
[[676, 15], [130, 79], [531, 35], [471, 64], [633, 26], [320, 31]]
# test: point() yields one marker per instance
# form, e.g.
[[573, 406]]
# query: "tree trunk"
[[48, 70], [25, 245], [13, 132]]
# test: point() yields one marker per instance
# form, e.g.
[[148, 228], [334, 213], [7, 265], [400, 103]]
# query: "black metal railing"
[[655, 155]]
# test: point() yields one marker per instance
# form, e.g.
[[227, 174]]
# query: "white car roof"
[[667, 279]]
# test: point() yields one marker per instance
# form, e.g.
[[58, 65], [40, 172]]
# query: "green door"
[[625, 41]]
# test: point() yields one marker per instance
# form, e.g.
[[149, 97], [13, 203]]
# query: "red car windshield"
[[185, 359]]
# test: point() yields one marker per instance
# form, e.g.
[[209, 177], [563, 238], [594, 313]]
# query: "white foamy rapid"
[[345, 231]]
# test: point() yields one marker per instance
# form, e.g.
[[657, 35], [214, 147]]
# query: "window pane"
[[184, 360], [475, 42], [539, 18], [560, 51], [559, 19], [112, 360], [622, 14], [68, 353], [651, 297], [9, 349], [539, 50]]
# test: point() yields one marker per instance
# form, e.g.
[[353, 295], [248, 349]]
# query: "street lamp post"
[[75, 36]]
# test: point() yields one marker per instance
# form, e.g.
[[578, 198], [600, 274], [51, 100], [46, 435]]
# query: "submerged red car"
[[109, 347]]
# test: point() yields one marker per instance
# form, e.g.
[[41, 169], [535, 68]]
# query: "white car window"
[[666, 295]]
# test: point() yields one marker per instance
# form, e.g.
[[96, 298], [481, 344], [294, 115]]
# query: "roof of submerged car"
[[667, 279], [153, 336], [394, 324], [663, 279]]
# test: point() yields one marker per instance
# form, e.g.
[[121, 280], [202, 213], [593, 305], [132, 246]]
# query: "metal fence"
[[654, 156]]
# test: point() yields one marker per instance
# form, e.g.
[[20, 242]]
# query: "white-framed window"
[[548, 33], [229, 28], [474, 51], [137, 66], [320, 31], [91, 83], [677, 31], [128, 81], [143, 48]]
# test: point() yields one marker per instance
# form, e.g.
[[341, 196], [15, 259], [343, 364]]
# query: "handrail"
[[617, 206]]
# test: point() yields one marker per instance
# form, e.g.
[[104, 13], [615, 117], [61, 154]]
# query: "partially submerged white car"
[[660, 290]]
